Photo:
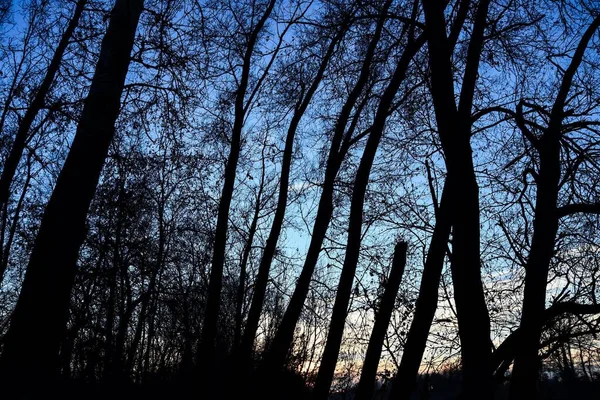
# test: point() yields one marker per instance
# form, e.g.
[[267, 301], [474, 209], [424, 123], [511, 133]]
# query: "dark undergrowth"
[[291, 386]]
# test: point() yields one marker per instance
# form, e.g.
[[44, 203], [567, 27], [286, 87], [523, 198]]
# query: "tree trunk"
[[471, 308], [18, 146], [454, 127], [206, 350], [368, 374], [342, 299], [262, 278], [545, 227], [527, 362], [416, 341], [38, 322], [279, 348]]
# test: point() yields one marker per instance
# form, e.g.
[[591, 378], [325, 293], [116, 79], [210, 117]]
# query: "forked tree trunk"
[[545, 227], [454, 125]]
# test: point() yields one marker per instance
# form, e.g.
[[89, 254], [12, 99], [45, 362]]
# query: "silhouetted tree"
[[206, 356], [366, 384], [271, 244], [467, 128], [38, 323], [545, 226], [22, 135], [454, 126], [342, 139], [338, 319]]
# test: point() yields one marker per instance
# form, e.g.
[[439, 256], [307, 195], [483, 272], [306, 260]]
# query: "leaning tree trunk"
[[262, 277], [342, 299], [545, 225], [416, 341], [366, 384], [279, 348], [18, 146], [206, 351], [38, 323]]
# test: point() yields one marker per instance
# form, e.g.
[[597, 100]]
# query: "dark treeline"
[[311, 199]]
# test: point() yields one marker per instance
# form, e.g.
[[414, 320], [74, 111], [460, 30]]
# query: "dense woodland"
[[300, 199]]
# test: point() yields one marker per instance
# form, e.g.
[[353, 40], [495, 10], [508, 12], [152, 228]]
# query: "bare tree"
[[366, 384], [38, 322], [282, 200], [340, 308], [545, 226], [206, 350], [454, 125], [22, 135]]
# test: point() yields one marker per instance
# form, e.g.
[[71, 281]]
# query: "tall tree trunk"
[[206, 350], [39, 319], [471, 309], [38, 322], [366, 384], [454, 125], [279, 348], [416, 341], [342, 299], [545, 227], [18, 146], [262, 278], [340, 143]]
